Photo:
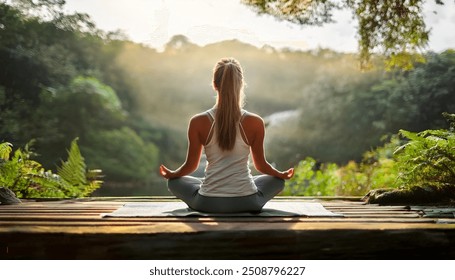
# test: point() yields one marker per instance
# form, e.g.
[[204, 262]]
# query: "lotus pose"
[[228, 134]]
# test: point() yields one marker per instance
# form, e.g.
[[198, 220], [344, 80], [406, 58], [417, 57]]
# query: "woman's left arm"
[[193, 155], [256, 132]]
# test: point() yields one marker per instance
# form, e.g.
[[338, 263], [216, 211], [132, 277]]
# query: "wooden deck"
[[74, 229]]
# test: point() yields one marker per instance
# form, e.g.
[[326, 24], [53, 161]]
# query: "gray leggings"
[[187, 189]]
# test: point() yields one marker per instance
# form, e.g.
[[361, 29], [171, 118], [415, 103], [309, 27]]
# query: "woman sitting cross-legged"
[[228, 134]]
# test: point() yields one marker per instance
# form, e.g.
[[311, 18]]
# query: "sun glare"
[[155, 22]]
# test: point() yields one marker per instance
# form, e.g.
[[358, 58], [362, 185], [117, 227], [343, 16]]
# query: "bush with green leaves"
[[416, 160], [28, 179], [376, 170], [311, 180], [428, 159]]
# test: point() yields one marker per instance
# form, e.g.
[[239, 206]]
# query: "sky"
[[154, 22]]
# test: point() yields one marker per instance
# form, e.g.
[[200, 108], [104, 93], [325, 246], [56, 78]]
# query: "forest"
[[123, 107]]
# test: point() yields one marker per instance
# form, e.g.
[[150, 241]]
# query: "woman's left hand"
[[166, 172], [286, 175]]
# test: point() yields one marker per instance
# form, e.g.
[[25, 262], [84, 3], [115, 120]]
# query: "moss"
[[413, 195]]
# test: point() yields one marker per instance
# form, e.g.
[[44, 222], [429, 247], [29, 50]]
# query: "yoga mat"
[[180, 209]]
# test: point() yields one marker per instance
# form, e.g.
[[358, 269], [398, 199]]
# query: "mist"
[[173, 85]]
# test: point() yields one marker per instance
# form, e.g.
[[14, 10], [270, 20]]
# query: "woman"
[[228, 134]]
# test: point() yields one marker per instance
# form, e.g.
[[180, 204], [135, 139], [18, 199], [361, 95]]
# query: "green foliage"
[[410, 101], [5, 150], [344, 113], [315, 12], [28, 179], [60, 80], [313, 181], [92, 86], [425, 167], [376, 170], [396, 28], [74, 172], [122, 155], [353, 179], [428, 159], [53, 11]]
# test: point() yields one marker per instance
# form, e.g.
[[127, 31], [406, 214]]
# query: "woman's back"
[[227, 172]]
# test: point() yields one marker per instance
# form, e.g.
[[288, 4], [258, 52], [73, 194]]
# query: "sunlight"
[[208, 21]]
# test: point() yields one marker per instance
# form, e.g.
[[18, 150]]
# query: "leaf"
[[73, 170], [410, 135], [5, 150], [401, 148]]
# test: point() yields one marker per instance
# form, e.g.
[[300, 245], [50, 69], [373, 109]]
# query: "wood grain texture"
[[74, 229]]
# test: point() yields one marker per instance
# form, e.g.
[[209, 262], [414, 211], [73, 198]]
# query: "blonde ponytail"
[[228, 81]]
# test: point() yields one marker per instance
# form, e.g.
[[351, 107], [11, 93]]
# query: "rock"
[[413, 195], [8, 197]]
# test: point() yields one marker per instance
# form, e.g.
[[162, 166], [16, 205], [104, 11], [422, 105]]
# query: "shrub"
[[311, 180], [428, 159], [28, 179]]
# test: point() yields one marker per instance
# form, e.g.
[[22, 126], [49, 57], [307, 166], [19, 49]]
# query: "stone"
[[8, 197]]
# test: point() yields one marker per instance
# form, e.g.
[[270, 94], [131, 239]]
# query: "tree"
[[395, 28], [415, 100], [35, 56], [53, 11], [122, 155], [179, 43], [84, 106]]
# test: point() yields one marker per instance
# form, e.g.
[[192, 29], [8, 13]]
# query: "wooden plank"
[[97, 215], [290, 220], [366, 207], [377, 212], [303, 244], [382, 215], [102, 211], [124, 222], [47, 211], [167, 227], [89, 210], [43, 229], [94, 205]]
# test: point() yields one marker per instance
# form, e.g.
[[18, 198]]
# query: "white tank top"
[[227, 173]]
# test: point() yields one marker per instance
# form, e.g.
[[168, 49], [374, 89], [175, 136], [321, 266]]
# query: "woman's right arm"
[[255, 132], [195, 144]]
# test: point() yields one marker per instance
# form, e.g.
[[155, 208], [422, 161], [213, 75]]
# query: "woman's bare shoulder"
[[200, 121], [252, 123], [252, 118], [203, 116]]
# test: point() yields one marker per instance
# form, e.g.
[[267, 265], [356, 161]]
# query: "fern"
[[73, 170], [5, 151], [94, 180], [27, 178], [429, 157]]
